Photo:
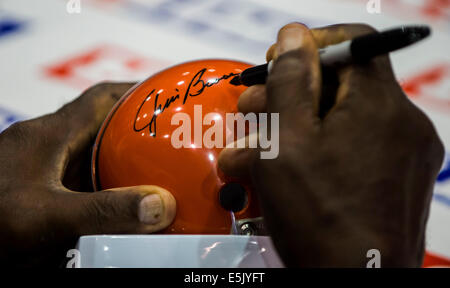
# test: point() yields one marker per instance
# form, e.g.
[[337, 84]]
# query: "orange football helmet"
[[133, 146]]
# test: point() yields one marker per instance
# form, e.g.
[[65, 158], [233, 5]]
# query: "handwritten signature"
[[195, 88]]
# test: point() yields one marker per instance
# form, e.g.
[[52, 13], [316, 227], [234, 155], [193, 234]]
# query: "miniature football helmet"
[[135, 147]]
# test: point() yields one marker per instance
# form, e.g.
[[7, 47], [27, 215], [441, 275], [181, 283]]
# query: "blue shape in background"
[[7, 118], [441, 198], [443, 177], [8, 26], [445, 172], [201, 21]]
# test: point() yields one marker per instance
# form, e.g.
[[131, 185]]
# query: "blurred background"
[[51, 50]]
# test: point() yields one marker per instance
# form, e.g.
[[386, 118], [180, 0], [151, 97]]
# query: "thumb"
[[127, 210]]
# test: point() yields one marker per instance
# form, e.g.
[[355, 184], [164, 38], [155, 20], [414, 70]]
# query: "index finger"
[[294, 82], [328, 35]]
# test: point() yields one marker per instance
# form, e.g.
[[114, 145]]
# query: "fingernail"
[[290, 38], [150, 209]]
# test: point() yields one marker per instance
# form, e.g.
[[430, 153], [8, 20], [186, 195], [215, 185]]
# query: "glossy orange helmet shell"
[[133, 146]]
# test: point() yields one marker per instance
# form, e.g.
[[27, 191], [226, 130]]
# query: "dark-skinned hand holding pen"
[[358, 178]]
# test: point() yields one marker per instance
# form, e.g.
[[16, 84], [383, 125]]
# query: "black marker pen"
[[359, 49]]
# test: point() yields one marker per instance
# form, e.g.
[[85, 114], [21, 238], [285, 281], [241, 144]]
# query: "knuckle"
[[18, 127], [106, 205], [18, 132], [292, 25], [422, 132], [421, 123], [98, 211], [433, 146], [100, 88], [100, 92], [92, 104], [439, 151], [427, 129]]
